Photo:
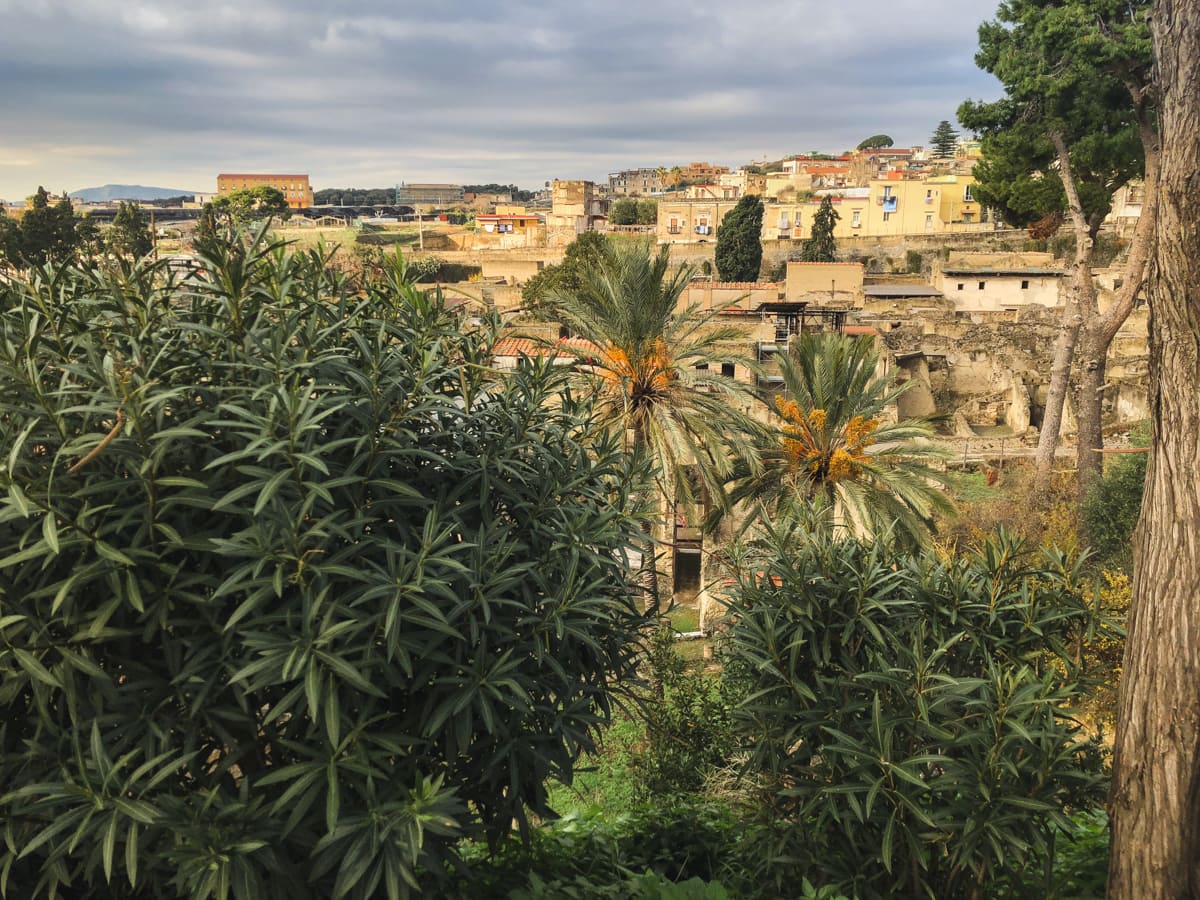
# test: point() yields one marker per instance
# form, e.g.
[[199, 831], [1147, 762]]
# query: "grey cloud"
[[354, 91]]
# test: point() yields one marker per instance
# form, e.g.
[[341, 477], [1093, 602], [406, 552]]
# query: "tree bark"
[[1155, 799], [1064, 347], [1056, 395]]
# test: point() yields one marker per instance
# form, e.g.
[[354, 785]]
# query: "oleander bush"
[[908, 717], [295, 593]]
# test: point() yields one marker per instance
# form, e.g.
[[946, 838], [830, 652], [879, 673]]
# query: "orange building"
[[295, 188]]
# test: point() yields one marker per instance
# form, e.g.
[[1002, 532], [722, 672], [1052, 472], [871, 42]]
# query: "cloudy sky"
[[372, 92]]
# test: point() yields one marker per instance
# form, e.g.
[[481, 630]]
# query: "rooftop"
[[900, 290]]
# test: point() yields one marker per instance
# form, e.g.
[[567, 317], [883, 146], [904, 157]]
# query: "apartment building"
[[635, 182]]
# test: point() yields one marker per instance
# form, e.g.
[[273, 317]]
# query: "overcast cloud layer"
[[370, 93]]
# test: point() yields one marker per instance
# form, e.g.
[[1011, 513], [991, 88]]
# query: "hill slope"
[[126, 192]]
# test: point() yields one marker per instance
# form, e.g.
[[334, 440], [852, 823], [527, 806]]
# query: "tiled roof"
[[738, 285], [859, 329], [533, 347], [793, 262]]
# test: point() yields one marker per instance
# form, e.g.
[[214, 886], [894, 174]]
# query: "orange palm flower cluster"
[[806, 445], [655, 374]]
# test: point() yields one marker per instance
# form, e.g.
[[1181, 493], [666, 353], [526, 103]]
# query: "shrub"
[[688, 724], [597, 855], [908, 716], [1113, 502], [293, 596]]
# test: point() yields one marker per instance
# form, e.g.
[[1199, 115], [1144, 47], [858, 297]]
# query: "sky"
[[369, 93]]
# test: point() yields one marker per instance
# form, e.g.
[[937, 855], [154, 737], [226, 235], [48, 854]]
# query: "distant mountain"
[[127, 192]]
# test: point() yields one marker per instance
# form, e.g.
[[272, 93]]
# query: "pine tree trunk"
[[1089, 406], [1155, 800], [1064, 348], [1056, 395]]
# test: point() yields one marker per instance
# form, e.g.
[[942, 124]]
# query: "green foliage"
[[875, 141], [251, 204], [944, 140], [739, 241], [1067, 69], [130, 232], [677, 849], [585, 252], [647, 212], [908, 717], [623, 212], [293, 596], [517, 193], [1079, 863], [821, 246], [10, 240], [44, 234], [688, 724], [1110, 510], [355, 196]]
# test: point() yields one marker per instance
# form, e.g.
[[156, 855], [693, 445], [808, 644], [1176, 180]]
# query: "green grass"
[[685, 618], [604, 780], [970, 487]]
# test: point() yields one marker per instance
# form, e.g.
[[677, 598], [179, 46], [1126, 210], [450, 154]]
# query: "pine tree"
[[130, 232], [48, 233], [943, 140], [739, 241], [821, 246]]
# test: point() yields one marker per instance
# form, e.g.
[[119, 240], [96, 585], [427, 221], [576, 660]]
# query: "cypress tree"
[[739, 241], [821, 246]]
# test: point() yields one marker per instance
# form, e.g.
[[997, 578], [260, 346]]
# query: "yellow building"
[[690, 221], [295, 188]]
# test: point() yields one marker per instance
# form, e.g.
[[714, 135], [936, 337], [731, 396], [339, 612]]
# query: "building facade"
[[295, 188], [635, 182]]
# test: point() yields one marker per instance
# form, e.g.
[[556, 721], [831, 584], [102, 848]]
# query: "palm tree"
[[656, 372], [835, 448]]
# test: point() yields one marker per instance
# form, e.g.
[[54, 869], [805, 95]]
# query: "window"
[[856, 219], [728, 370], [1024, 284], [967, 195], [887, 192], [929, 221], [783, 220], [981, 284]]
